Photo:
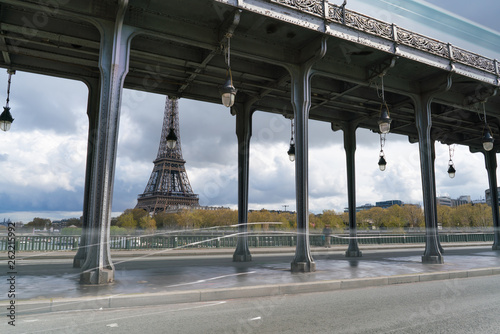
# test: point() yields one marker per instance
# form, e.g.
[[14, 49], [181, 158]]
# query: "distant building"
[[367, 206], [444, 201], [462, 200], [479, 201], [452, 203], [5, 222], [383, 205], [388, 204], [488, 196]]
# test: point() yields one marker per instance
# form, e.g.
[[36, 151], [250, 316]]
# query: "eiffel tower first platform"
[[168, 188]]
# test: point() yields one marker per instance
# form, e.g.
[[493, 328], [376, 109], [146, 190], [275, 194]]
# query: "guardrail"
[[54, 243]]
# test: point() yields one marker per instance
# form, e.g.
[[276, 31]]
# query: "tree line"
[[394, 218]]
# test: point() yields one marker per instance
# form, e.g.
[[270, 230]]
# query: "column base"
[[77, 263], [495, 247], [355, 253], [303, 267], [92, 277], [242, 257], [432, 259]]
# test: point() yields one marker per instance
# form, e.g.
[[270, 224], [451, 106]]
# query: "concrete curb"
[[212, 295]]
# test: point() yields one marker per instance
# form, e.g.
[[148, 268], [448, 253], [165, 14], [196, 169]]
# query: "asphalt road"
[[468, 305]]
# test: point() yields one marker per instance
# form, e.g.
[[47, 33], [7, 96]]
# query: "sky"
[[42, 157]]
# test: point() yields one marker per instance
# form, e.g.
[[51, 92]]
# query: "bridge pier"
[[432, 253], [92, 112], [349, 129], [244, 133], [490, 158], [113, 65], [301, 102]]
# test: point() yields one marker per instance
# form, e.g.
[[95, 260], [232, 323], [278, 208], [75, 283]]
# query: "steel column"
[[432, 253], [349, 130], [92, 112], [113, 65], [301, 103], [490, 158], [244, 133], [433, 147]]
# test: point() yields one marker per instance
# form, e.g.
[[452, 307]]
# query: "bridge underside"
[[177, 51], [303, 59]]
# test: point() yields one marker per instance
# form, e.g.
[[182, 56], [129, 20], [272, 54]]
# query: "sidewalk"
[[47, 282]]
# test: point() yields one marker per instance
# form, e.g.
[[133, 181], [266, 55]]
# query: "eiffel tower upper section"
[[168, 187]]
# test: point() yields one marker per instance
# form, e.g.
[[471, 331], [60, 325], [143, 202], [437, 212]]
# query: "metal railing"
[[54, 243]]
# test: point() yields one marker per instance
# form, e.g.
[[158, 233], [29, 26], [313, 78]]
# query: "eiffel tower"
[[168, 188]]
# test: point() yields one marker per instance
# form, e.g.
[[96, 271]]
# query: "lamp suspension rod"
[[383, 93], [8, 89]]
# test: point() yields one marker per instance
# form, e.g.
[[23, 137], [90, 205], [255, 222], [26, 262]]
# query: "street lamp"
[[228, 91], [6, 117], [451, 170], [171, 137], [381, 161], [487, 138], [291, 150], [451, 167], [384, 121]]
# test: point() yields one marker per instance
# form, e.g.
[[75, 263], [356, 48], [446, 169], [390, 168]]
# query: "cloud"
[[46, 103]]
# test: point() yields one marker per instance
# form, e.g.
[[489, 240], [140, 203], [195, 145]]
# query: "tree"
[[483, 215], [261, 216], [183, 218], [330, 217], [73, 221], [414, 216], [444, 216], [126, 220], [136, 213], [396, 217], [39, 223], [165, 220], [148, 223]]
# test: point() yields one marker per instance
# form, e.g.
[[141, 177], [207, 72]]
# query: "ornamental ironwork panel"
[[335, 14], [310, 6], [368, 24], [423, 43], [474, 60]]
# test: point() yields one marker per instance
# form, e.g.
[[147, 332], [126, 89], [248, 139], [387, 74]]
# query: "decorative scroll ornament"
[[311, 6], [335, 14], [474, 60], [368, 24], [423, 43]]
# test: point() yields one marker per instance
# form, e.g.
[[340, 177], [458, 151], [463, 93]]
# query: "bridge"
[[304, 59]]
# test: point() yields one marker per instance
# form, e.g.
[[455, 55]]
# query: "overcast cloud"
[[42, 158]]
